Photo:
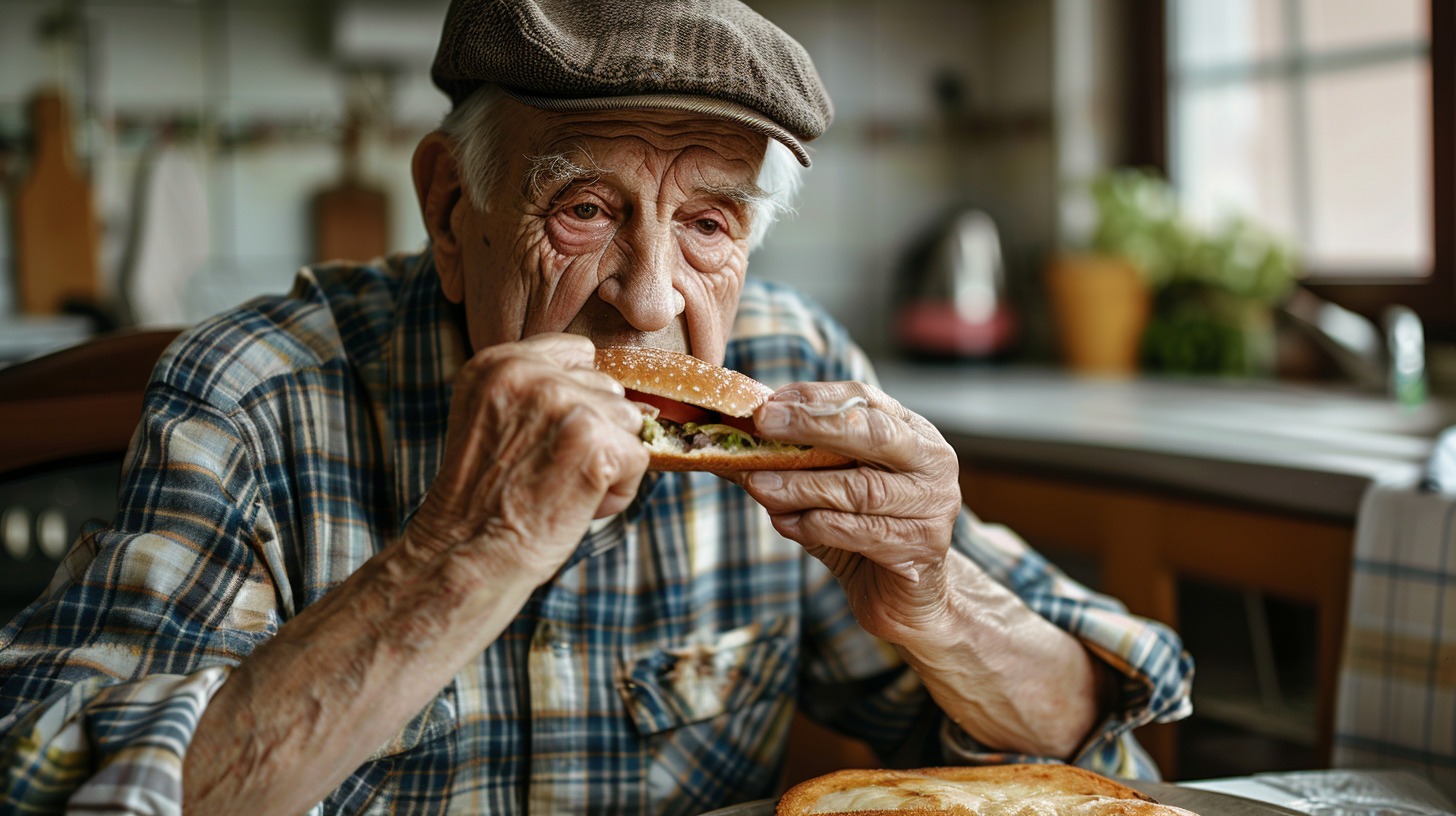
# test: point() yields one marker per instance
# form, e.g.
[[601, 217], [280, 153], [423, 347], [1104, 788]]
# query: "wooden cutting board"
[[351, 218], [56, 234]]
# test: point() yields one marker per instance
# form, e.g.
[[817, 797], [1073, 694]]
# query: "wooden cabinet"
[[1145, 540]]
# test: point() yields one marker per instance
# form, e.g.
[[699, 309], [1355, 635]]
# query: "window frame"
[[1432, 296]]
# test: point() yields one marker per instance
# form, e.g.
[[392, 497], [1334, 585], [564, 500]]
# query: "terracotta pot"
[[1100, 305]]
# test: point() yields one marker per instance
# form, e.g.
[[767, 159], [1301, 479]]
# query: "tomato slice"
[[681, 412], [673, 410]]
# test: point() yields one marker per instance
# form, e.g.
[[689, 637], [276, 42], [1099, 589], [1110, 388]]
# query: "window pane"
[[1370, 154], [1227, 32], [1333, 24], [1233, 155]]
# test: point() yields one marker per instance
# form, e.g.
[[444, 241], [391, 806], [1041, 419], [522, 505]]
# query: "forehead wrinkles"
[[647, 139]]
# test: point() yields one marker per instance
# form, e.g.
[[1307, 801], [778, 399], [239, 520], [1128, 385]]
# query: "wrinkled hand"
[[883, 527], [538, 444]]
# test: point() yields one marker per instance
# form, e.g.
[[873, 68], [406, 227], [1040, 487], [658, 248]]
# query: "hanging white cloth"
[[1397, 692], [170, 239]]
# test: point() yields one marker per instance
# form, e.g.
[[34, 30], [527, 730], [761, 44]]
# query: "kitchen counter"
[[1301, 448]]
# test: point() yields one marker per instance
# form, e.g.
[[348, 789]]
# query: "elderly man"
[[388, 544]]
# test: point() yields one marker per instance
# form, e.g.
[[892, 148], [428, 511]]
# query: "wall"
[[884, 172], [256, 67]]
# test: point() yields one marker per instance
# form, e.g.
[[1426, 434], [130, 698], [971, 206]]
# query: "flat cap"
[[712, 57]]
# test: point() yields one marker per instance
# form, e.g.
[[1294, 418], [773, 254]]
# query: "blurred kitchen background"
[[968, 141], [990, 200]]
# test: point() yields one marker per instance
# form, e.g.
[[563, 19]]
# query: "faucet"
[[1392, 360], [1405, 341]]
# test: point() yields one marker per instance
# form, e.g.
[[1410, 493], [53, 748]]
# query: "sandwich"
[[698, 416], [1001, 790]]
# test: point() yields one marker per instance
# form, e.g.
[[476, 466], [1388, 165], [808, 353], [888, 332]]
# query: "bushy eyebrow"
[[748, 194], [556, 170]]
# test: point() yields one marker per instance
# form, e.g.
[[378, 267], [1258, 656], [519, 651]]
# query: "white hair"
[[474, 128]]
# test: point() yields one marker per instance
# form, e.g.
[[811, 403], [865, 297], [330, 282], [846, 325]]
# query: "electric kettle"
[[955, 305]]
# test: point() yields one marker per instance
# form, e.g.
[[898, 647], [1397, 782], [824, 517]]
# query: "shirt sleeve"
[[860, 686], [1154, 673], [104, 678]]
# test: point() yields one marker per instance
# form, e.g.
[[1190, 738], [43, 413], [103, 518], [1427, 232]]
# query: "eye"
[[586, 212], [707, 226]]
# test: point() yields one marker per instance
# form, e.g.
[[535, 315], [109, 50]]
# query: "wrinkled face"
[[629, 227]]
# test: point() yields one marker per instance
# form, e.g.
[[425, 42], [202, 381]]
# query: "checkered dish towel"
[[1397, 695]]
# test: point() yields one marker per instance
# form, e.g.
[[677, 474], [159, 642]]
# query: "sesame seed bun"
[[684, 378]]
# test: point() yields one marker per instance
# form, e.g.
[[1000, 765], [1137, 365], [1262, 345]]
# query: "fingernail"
[[772, 417], [766, 480], [791, 395], [787, 520]]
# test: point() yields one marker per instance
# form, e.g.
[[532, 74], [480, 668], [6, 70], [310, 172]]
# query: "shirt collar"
[[428, 346]]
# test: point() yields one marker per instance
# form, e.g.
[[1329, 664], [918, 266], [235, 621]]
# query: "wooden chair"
[[79, 403]]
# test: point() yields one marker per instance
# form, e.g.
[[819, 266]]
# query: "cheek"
[[494, 300], [711, 295], [521, 287], [561, 282]]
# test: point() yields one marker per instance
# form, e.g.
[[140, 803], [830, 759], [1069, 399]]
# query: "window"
[[1328, 122]]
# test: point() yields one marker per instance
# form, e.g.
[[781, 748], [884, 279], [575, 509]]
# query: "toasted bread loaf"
[[1002, 790]]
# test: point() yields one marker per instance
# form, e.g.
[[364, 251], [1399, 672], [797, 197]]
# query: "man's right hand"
[[539, 443]]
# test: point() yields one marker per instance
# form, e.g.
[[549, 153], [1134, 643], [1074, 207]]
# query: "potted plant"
[[1100, 296], [1212, 291], [1214, 313]]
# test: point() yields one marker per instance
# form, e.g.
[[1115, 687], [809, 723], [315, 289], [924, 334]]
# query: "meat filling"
[[673, 437]]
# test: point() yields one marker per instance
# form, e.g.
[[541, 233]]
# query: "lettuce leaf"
[[726, 437]]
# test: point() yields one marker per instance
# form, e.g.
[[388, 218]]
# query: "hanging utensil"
[[351, 218], [56, 230]]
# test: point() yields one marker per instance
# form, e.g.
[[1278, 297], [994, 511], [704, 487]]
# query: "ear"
[[437, 185]]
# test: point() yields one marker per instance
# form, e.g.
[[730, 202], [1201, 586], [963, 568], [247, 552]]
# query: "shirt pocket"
[[673, 686]]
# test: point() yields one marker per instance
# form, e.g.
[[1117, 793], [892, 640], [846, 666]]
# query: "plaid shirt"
[[286, 442]]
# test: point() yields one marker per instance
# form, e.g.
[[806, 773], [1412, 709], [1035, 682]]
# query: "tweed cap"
[[713, 57]]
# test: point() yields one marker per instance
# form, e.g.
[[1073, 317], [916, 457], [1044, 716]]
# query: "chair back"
[[81, 402]]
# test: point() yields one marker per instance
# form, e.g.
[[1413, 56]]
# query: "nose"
[[642, 290]]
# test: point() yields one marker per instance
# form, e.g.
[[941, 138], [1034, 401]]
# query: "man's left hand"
[[1004, 674], [883, 526]]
